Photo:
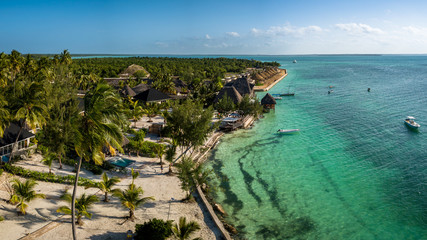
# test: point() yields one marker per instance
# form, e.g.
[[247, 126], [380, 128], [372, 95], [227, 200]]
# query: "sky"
[[270, 27]]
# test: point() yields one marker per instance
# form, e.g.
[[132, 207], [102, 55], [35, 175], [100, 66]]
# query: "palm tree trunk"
[[16, 143], [79, 220], [106, 197], [131, 215], [73, 202], [60, 161]]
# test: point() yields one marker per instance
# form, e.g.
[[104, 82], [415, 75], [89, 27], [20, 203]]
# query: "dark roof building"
[[140, 88], [8, 140], [127, 91], [268, 101], [243, 86], [11, 132], [180, 86], [231, 92], [152, 95]]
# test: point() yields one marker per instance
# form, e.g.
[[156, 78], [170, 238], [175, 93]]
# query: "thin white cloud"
[[358, 28], [162, 44], [255, 31], [218, 45], [233, 34], [286, 30], [208, 37], [416, 30]]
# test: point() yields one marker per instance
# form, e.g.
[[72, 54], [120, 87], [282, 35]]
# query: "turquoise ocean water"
[[354, 171]]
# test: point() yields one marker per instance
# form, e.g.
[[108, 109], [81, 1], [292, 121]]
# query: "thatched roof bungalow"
[[231, 92], [140, 88], [268, 101]]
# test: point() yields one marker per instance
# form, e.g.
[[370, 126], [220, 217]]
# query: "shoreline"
[[207, 201], [268, 85]]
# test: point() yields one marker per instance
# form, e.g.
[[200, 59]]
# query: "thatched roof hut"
[[268, 101], [132, 69], [243, 86], [231, 92], [140, 88]]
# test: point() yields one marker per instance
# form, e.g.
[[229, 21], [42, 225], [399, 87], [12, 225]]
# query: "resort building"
[[236, 90], [152, 95], [8, 140], [230, 92], [268, 102]]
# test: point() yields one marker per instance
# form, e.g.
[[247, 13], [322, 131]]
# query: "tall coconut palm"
[[65, 58], [24, 193], [183, 230], [4, 115], [131, 198], [106, 185], [29, 108], [83, 204], [16, 62], [100, 125]]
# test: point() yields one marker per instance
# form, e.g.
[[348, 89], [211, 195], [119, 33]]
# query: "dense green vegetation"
[[155, 229], [187, 68], [41, 92]]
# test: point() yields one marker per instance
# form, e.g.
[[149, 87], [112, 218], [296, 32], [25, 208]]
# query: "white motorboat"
[[410, 122], [287, 130]]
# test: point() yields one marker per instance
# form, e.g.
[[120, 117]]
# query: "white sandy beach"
[[108, 221]]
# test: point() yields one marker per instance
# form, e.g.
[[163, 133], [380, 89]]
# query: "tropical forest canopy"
[[184, 67]]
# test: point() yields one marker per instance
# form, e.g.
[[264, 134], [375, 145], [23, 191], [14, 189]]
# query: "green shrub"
[[155, 229], [1, 218], [46, 177]]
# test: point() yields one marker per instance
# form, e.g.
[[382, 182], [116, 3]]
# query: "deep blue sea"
[[354, 171]]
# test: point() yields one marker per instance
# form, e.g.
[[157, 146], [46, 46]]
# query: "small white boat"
[[278, 98], [295, 61], [287, 130], [409, 121]]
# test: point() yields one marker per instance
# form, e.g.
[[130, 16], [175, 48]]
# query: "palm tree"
[[169, 155], [24, 192], [65, 58], [16, 61], [107, 184], [183, 230], [131, 198], [192, 175], [151, 110], [4, 114], [100, 125], [48, 160], [134, 175], [29, 108], [137, 112], [83, 204], [160, 150]]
